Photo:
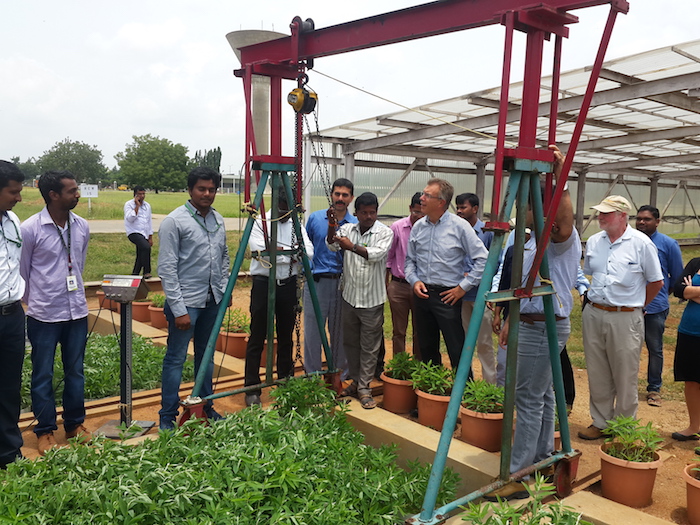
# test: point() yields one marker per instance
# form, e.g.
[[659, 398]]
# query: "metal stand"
[[124, 289]]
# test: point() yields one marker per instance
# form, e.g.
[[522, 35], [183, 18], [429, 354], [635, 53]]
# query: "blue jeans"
[[654, 325], [44, 337], [201, 326], [534, 395]]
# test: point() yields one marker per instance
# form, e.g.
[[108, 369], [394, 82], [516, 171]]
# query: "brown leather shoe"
[[46, 442], [82, 433], [513, 490], [591, 433]]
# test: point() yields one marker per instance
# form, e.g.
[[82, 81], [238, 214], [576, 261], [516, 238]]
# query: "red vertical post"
[[553, 112], [250, 149], [276, 115], [509, 22], [531, 88]]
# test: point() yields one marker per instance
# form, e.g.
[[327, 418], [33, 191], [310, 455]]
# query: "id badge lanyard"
[[71, 280]]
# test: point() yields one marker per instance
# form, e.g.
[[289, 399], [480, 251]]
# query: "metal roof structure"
[[643, 127]]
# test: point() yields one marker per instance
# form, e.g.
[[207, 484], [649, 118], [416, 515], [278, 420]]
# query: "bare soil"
[[669, 498]]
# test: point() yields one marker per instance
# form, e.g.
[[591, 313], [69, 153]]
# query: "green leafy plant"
[[102, 365], [433, 378], [482, 396], [303, 395], [401, 366], [157, 299], [631, 441], [255, 466], [534, 512], [236, 321]]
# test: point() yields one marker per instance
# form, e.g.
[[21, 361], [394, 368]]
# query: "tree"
[[82, 160], [211, 158], [154, 163], [29, 168]]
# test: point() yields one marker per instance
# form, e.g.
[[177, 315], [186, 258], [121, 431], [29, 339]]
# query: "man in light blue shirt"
[[327, 271], [648, 219], [437, 248], [193, 264]]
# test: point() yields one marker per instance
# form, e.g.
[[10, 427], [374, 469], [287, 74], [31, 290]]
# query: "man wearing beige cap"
[[626, 276]]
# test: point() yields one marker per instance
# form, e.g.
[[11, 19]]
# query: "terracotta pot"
[[157, 317], [432, 409], [482, 430], [693, 489], [234, 344], [557, 440], [219, 343], [399, 396], [139, 311], [628, 482]]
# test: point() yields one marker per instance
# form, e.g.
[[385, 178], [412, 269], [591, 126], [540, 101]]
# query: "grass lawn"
[[110, 204]]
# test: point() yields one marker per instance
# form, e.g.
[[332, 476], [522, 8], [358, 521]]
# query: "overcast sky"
[[101, 72]]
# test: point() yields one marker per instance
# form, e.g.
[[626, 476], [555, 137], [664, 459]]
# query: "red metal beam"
[[421, 21]]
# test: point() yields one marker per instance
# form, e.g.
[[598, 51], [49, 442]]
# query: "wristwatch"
[[354, 248]]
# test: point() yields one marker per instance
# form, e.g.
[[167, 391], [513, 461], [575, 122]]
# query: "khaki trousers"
[[401, 302]]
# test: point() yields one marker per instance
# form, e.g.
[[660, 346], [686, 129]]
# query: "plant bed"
[[256, 466], [102, 365]]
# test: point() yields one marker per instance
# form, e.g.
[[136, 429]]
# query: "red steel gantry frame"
[[290, 57]]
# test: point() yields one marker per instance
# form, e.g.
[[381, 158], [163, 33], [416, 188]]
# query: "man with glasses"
[[11, 314], [437, 248]]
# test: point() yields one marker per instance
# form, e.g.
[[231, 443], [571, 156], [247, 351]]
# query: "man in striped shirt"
[[366, 245]]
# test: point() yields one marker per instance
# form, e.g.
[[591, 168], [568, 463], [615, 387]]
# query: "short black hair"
[[344, 183], [9, 171], [472, 198], [366, 199], [51, 181], [651, 209], [415, 200], [203, 173], [138, 189]]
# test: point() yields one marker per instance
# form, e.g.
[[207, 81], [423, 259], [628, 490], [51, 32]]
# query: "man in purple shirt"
[[54, 247], [398, 290]]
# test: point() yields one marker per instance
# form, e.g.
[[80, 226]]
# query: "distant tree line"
[[153, 162]]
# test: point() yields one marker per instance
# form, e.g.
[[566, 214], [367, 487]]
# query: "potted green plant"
[[156, 310], [433, 384], [691, 475], [482, 414], [629, 460], [399, 396], [139, 310], [235, 328]]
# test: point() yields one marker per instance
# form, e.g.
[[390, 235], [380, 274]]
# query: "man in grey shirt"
[[193, 264]]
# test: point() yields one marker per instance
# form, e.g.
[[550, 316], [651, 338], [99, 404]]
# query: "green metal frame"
[[278, 176]]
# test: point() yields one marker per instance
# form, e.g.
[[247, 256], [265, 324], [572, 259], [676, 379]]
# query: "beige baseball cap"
[[613, 203]]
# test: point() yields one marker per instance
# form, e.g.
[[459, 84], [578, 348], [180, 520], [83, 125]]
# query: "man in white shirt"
[[365, 245], [139, 230], [285, 301], [626, 276], [11, 314]]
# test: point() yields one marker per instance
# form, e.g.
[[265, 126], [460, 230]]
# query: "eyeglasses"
[[429, 196]]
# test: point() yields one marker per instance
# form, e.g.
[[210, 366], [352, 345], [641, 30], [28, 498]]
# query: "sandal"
[[654, 399], [349, 391], [367, 401]]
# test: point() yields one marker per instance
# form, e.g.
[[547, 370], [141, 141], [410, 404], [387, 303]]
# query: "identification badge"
[[72, 282]]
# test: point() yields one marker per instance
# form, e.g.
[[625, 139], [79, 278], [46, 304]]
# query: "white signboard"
[[89, 191]]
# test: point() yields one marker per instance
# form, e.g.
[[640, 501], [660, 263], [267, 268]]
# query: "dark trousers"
[[432, 317], [11, 360], [285, 302], [568, 374], [143, 254]]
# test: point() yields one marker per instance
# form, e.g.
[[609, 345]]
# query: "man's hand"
[[344, 243], [503, 337], [150, 240], [496, 321], [183, 322], [420, 290], [453, 295], [558, 161]]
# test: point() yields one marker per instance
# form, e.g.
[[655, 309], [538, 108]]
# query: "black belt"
[[318, 276], [280, 282], [398, 279], [7, 309], [438, 287]]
